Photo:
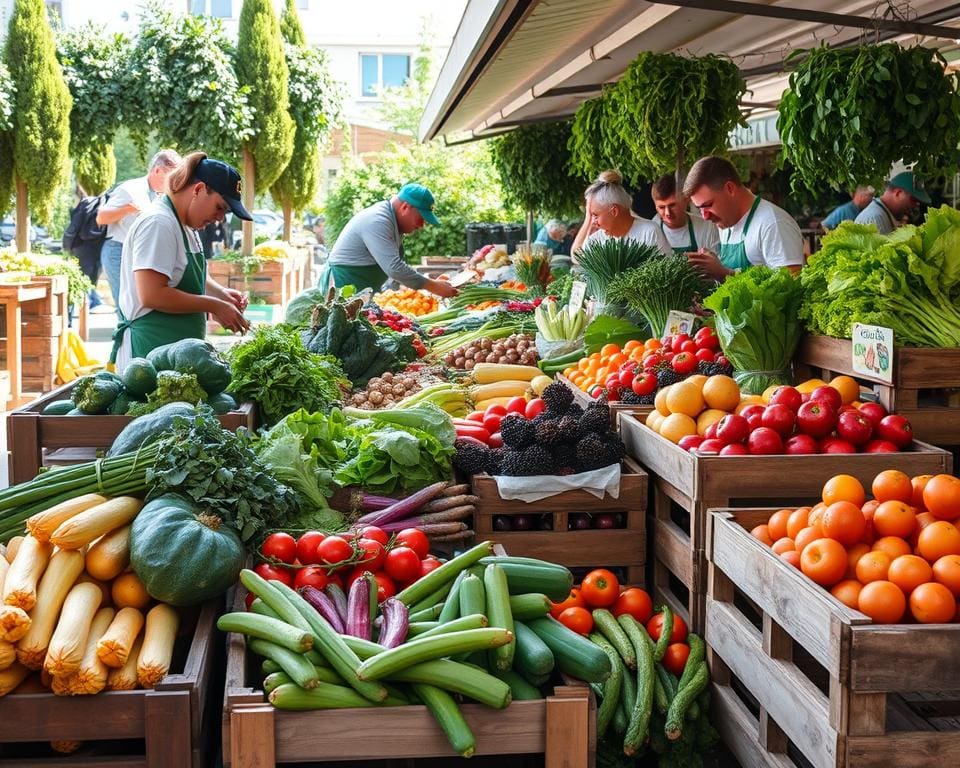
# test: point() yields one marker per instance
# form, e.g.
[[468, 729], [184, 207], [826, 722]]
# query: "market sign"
[[759, 132], [678, 322], [873, 351]]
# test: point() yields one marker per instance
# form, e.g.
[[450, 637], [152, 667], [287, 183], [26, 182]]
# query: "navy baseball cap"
[[420, 198], [225, 179]]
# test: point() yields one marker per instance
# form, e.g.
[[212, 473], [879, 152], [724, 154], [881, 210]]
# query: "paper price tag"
[[872, 351], [678, 322], [462, 278], [577, 294]]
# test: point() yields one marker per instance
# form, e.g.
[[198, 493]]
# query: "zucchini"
[[530, 605], [575, 655], [443, 575], [268, 667], [526, 574], [465, 679], [643, 707], [684, 698], [393, 660], [536, 680], [266, 628], [448, 715], [611, 686], [498, 612], [301, 671], [532, 654], [666, 629], [473, 597], [275, 680], [57, 408], [520, 689], [474, 621], [607, 626], [323, 696], [419, 627], [427, 614], [451, 606]]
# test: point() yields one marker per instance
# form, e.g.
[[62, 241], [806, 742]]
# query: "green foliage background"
[[7, 97]]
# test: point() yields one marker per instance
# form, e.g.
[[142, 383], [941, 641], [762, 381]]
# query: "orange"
[[844, 522], [892, 485], [583, 363], [919, 483], [847, 387], [609, 349], [816, 514], [892, 545], [847, 592], [632, 345], [941, 497], [806, 536], [806, 387], [128, 590], [677, 425], [938, 539], [844, 488], [792, 557], [652, 344], [883, 602], [699, 379], [946, 571], [660, 401], [783, 544], [873, 566], [685, 397], [654, 419], [933, 603], [797, 521], [894, 518], [853, 556], [721, 392], [762, 534], [824, 561], [708, 417], [778, 523], [617, 360], [908, 572]]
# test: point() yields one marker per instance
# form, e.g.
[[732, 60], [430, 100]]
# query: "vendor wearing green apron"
[[685, 233], [165, 293], [752, 230], [369, 250]]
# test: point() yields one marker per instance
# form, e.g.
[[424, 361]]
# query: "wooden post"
[[252, 736], [567, 729], [22, 219], [249, 178], [530, 233]]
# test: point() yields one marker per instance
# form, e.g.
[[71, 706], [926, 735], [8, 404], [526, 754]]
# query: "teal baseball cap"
[[420, 198], [909, 184]]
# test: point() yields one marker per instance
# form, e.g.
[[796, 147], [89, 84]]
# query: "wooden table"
[[12, 296]]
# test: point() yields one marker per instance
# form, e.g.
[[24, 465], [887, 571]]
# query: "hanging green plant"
[[850, 113], [596, 143]]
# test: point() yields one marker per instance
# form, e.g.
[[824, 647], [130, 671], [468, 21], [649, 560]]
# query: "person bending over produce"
[[609, 215], [684, 231], [887, 212], [165, 293], [370, 247], [860, 198], [752, 230]]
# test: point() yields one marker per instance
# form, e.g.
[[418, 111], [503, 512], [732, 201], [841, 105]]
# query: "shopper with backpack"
[[83, 239]]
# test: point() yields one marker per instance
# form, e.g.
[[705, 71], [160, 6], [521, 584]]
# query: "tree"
[[315, 106], [95, 66], [262, 68], [41, 117], [7, 95]]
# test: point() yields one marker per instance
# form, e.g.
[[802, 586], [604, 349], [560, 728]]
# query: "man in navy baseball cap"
[[224, 179]]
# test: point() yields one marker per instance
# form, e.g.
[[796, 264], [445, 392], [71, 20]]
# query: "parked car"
[[39, 237], [265, 224]]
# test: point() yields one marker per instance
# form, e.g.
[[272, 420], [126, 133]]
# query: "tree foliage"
[[291, 30], [262, 68], [7, 98], [533, 163], [41, 117], [187, 92]]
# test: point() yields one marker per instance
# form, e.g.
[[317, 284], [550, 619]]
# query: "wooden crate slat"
[[739, 730], [897, 658], [906, 749], [576, 549]]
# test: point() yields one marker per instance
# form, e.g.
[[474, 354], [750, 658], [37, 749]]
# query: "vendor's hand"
[[441, 288], [708, 264], [230, 317], [237, 298]]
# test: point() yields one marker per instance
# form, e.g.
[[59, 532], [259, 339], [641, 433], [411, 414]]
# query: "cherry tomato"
[[307, 547], [428, 564], [600, 588], [636, 602], [655, 626], [475, 416], [573, 600], [279, 546], [675, 658], [415, 539], [274, 573], [491, 423], [577, 619], [334, 550], [517, 405], [374, 554], [534, 408], [372, 532], [402, 564], [311, 576], [249, 599], [498, 409], [385, 586]]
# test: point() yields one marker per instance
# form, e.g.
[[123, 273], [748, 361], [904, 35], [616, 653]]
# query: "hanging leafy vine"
[[851, 113]]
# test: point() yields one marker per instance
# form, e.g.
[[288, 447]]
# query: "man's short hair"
[[168, 158], [665, 187], [711, 171]]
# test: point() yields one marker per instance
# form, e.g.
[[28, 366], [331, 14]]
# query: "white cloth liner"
[[596, 482]]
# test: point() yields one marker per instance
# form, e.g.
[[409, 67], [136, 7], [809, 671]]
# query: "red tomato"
[[578, 619], [249, 599], [655, 626], [374, 554], [498, 409], [636, 602], [600, 588], [428, 564], [334, 550], [495, 441], [402, 564], [415, 539], [477, 432], [534, 408], [574, 600], [475, 416], [372, 532], [675, 659], [307, 547], [385, 586], [517, 405], [279, 546], [311, 576], [273, 573], [491, 423]]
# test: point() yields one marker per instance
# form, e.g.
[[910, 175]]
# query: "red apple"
[[707, 339], [732, 428], [848, 409], [625, 378], [836, 445], [684, 362], [800, 445], [691, 442], [896, 429], [676, 343], [711, 432], [764, 441], [873, 411], [689, 346], [828, 395], [880, 446], [854, 427], [816, 418], [706, 355], [787, 396], [754, 415], [734, 449], [711, 447], [780, 418]]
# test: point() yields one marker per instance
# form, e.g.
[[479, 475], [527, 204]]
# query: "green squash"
[[197, 357], [139, 377], [222, 403], [146, 429], [182, 555]]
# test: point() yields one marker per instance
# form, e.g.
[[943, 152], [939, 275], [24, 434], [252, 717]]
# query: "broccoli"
[[96, 393], [172, 387]]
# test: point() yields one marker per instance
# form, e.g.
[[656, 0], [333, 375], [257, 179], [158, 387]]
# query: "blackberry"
[[564, 456], [668, 376], [629, 397], [710, 369], [532, 460], [574, 410], [569, 428], [596, 419], [557, 397], [516, 431], [548, 432], [594, 452], [470, 458], [615, 446], [648, 399], [494, 461]]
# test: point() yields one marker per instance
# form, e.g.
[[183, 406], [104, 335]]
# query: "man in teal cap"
[[369, 250], [902, 195]]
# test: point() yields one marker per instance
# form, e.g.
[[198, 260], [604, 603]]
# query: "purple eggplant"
[[323, 605], [396, 623], [339, 598], [358, 608], [405, 507]]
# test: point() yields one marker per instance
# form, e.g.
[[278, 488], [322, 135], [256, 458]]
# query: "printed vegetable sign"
[[873, 351]]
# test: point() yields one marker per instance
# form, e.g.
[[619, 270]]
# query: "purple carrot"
[[404, 507], [455, 490], [324, 606], [371, 503], [418, 521], [431, 529], [460, 536], [336, 594], [396, 623], [358, 608]]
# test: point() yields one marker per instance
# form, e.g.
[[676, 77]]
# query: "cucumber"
[[301, 671], [520, 689], [607, 625], [684, 698], [266, 628], [465, 679], [473, 597], [57, 408], [532, 654], [419, 627], [268, 667], [643, 707], [443, 576], [666, 630], [427, 614], [275, 680], [661, 690], [698, 652], [536, 680], [473, 621], [575, 655], [611, 687], [619, 721], [526, 574], [449, 717], [323, 696], [529, 606], [451, 606], [393, 660], [498, 613]]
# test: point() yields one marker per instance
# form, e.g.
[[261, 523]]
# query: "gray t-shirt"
[[877, 214], [372, 237]]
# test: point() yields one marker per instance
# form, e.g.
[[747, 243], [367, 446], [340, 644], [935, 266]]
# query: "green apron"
[[734, 255], [157, 328], [361, 276], [683, 248]]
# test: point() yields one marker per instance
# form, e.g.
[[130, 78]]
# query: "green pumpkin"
[[182, 555]]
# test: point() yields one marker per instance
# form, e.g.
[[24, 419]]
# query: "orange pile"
[[593, 370], [407, 301], [894, 556]]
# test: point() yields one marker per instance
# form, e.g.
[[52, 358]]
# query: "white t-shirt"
[[773, 238], [154, 242], [706, 233], [134, 191], [643, 231]]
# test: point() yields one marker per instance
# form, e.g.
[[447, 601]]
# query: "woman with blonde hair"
[[609, 215], [165, 292]]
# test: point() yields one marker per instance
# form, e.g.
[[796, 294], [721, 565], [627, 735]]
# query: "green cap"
[[910, 185], [420, 198]]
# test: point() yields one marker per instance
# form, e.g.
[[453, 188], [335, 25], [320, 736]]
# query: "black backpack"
[[83, 237]]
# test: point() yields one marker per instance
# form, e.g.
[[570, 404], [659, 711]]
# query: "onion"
[[606, 520], [523, 522], [502, 523], [579, 521]]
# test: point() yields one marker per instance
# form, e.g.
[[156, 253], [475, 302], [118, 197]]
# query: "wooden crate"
[[685, 485], [562, 726], [924, 388], [274, 282], [29, 432], [583, 399], [615, 547], [828, 687], [170, 725]]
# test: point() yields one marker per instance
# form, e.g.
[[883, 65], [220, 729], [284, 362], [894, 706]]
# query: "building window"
[[303, 5], [382, 70], [222, 9]]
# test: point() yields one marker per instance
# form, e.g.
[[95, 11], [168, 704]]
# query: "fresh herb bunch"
[[902, 95], [274, 370], [561, 286], [656, 287], [219, 470], [532, 265], [602, 260]]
